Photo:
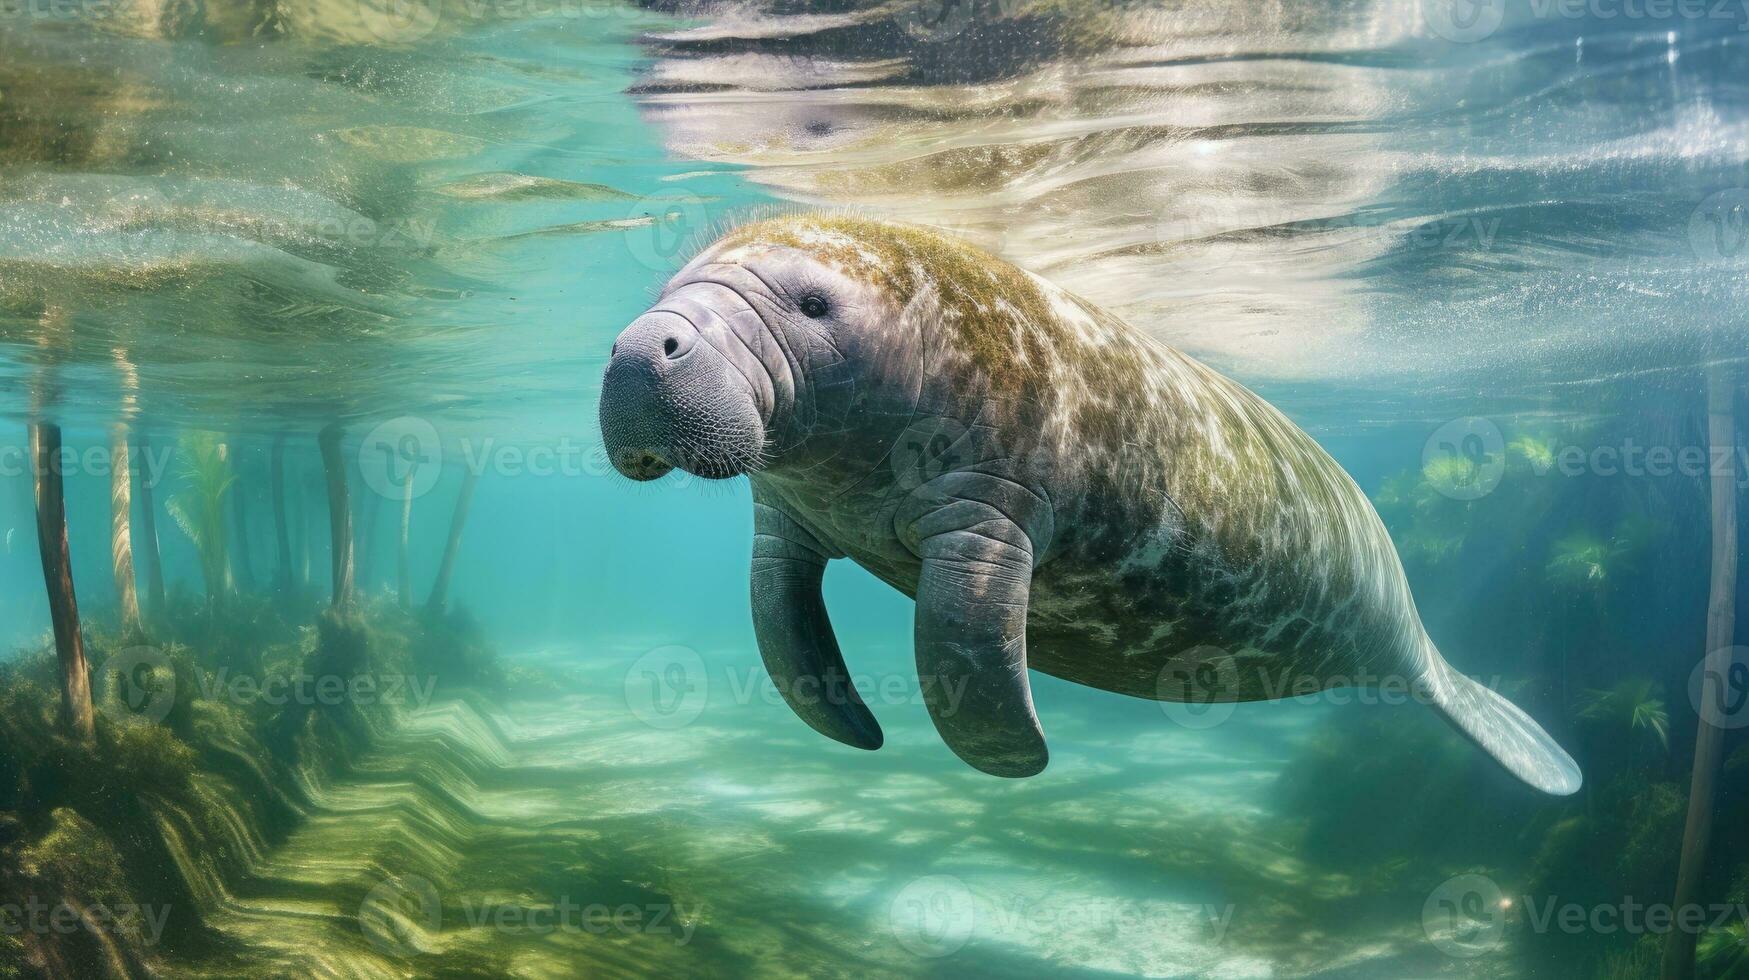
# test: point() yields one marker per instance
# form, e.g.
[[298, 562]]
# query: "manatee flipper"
[[1501, 729], [795, 636], [972, 600]]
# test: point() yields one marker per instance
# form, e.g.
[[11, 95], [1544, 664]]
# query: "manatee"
[[1054, 488]]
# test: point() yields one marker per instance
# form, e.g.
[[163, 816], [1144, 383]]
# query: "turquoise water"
[[1494, 273]]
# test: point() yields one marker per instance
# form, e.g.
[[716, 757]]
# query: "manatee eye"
[[813, 307]]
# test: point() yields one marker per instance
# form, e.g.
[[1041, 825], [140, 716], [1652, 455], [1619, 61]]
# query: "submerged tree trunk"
[[51, 535], [121, 500], [282, 575], [1721, 623], [339, 515], [297, 503], [372, 505], [149, 526], [403, 564], [464, 500], [244, 557], [222, 580], [121, 538]]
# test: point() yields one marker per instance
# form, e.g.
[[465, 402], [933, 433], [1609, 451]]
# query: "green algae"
[[180, 809], [1633, 708]]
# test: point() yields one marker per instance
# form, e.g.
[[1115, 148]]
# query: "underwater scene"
[[481, 479]]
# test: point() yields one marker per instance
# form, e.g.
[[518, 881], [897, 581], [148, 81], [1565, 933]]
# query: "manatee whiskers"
[[718, 462]]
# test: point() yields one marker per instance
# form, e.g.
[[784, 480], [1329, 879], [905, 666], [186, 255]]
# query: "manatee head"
[[784, 322], [709, 378]]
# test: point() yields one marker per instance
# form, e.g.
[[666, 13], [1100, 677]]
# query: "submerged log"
[[121, 538], [339, 515], [121, 499], [282, 575], [372, 505], [307, 488], [244, 558], [51, 534], [1721, 623], [403, 564], [464, 500]]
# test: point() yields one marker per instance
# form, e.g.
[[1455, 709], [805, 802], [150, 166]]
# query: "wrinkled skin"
[[1056, 490]]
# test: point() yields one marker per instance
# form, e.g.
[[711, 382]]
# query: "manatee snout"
[[671, 400]]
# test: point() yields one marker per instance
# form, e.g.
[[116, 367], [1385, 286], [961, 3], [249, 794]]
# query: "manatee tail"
[[1502, 730]]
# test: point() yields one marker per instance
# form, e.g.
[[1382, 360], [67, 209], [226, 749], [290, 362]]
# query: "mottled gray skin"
[[1057, 490]]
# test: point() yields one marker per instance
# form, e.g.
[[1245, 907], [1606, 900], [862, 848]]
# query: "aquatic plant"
[[1451, 471], [1430, 546], [1538, 451], [174, 814], [1637, 962], [1581, 560], [199, 509], [1634, 706], [1429, 526], [1636, 820], [1397, 491], [1723, 953]]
